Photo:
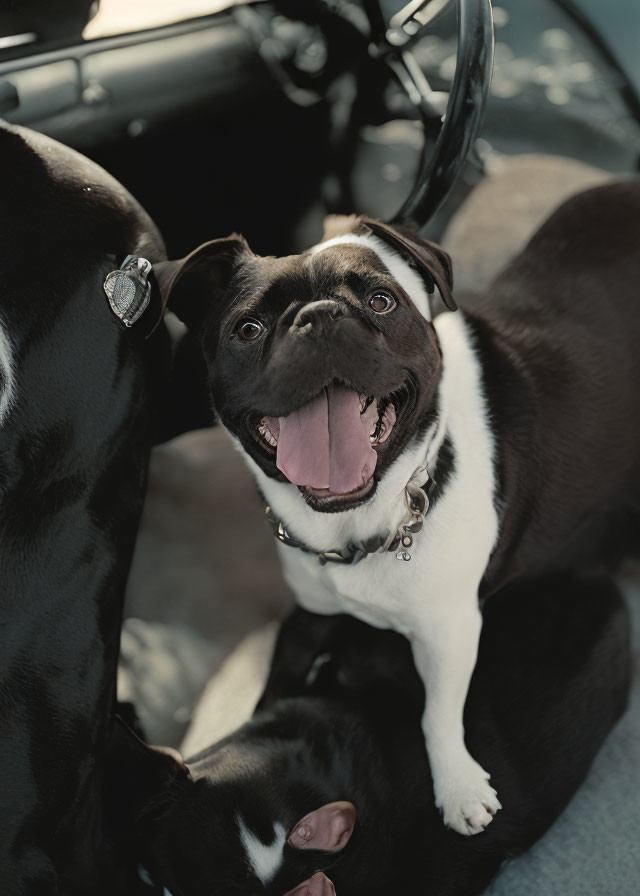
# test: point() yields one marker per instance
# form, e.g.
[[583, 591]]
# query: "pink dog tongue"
[[326, 443]]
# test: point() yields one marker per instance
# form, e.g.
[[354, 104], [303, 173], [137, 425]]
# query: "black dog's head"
[[230, 824], [324, 365], [249, 817]]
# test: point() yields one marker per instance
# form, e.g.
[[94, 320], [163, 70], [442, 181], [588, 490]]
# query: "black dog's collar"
[[417, 500]]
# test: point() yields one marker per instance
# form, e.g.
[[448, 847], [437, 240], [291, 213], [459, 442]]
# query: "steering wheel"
[[467, 99], [344, 37]]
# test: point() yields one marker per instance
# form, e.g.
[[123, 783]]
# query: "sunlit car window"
[[123, 16]]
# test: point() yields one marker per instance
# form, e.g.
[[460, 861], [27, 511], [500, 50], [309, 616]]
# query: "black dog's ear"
[[190, 284], [432, 262], [136, 776]]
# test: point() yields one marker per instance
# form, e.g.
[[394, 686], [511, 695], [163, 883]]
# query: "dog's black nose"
[[315, 312]]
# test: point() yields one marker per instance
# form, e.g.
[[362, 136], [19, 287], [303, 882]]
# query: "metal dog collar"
[[417, 499], [418, 493]]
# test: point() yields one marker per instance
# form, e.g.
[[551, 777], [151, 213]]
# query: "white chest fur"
[[450, 553]]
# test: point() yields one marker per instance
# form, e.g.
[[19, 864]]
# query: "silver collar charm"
[[418, 494], [416, 499], [129, 289]]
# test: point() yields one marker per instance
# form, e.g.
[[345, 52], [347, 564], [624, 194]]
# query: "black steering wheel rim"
[[462, 120], [370, 35]]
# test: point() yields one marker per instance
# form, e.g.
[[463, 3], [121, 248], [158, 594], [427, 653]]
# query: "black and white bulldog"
[[413, 465]]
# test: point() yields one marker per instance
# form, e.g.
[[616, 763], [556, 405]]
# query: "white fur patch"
[[264, 860], [7, 386], [400, 270], [144, 876], [316, 666]]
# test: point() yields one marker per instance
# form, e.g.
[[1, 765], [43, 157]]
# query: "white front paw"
[[467, 800]]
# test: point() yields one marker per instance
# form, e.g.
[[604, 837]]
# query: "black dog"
[[352, 405], [78, 398], [331, 776]]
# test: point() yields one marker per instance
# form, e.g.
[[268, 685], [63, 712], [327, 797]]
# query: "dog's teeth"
[[267, 435]]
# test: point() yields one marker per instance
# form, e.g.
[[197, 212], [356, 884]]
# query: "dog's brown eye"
[[382, 302], [249, 329]]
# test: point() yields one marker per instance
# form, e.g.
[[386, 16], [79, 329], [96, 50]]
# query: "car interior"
[[261, 118]]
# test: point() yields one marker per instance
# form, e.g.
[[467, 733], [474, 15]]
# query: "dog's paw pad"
[[467, 800]]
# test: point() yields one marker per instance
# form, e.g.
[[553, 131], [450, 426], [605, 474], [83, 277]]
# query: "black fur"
[[537, 712], [74, 450], [557, 334]]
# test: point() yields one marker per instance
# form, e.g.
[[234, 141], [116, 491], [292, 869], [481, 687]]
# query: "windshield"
[[34, 23], [122, 16]]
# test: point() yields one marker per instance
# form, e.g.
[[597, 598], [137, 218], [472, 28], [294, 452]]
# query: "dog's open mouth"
[[328, 447]]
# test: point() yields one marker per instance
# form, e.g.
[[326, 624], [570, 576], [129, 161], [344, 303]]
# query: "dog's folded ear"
[[190, 285], [432, 263], [328, 828], [136, 776]]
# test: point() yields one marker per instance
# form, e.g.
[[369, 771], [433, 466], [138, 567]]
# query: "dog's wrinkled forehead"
[[346, 269], [381, 258], [219, 277]]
